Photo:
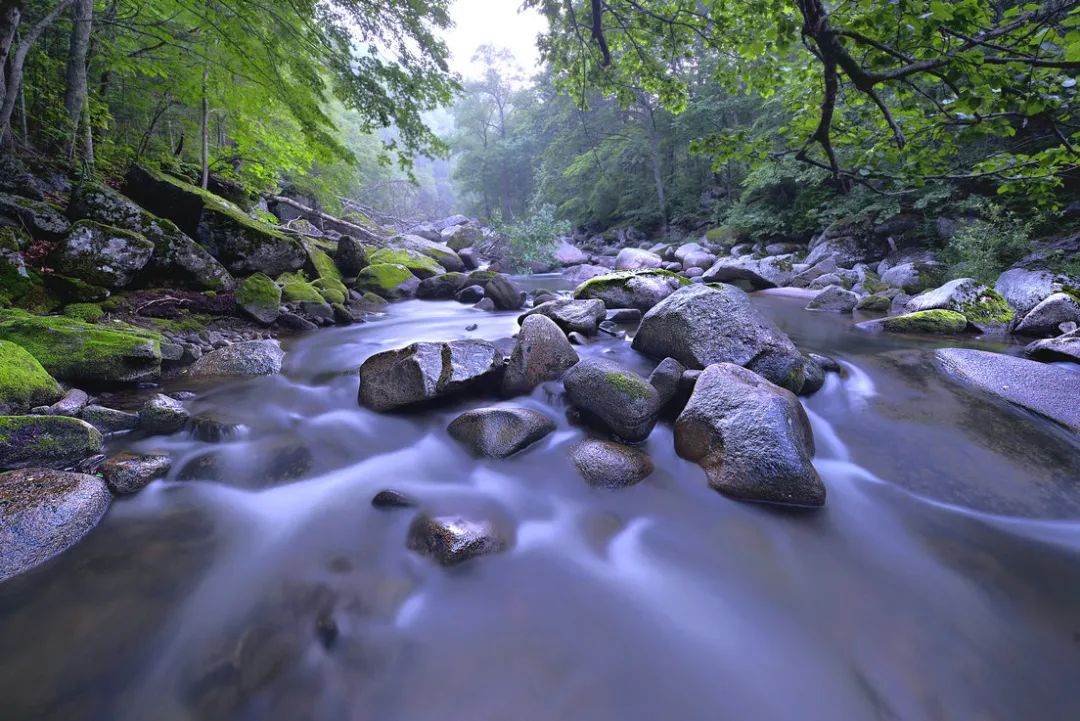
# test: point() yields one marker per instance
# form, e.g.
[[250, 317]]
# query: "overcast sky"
[[493, 22]]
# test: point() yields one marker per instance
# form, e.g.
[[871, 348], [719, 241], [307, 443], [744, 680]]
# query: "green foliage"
[[532, 239], [86, 312], [985, 247]]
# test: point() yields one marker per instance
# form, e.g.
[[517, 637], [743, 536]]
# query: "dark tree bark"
[[75, 94], [10, 18]]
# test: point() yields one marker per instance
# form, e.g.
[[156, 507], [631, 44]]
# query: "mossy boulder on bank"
[[24, 383], [387, 280], [86, 312], [259, 297], [244, 245], [177, 259], [102, 255], [43, 221], [983, 307], [46, 441], [641, 289], [21, 287], [75, 351], [419, 264], [295, 288], [932, 322]]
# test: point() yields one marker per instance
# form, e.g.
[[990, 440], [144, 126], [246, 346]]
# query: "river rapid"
[[940, 581]]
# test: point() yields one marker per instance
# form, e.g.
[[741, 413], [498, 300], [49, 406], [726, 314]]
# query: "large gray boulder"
[[1046, 390], [504, 294], [578, 274], [983, 307], [101, 254], [637, 259], [46, 441], [1025, 288], [542, 353], [631, 289], [566, 255], [42, 220], [702, 325], [752, 438], [581, 316], [162, 415], [848, 244], [621, 400], [1046, 318], [834, 299], [499, 432], [43, 513], [441, 253], [606, 464], [441, 287], [804, 278], [248, 358], [426, 371], [1063, 348], [758, 273]]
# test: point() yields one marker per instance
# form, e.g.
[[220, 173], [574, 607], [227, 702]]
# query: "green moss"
[[295, 288], [86, 312], [331, 289], [222, 206], [184, 323], [879, 303], [322, 264], [872, 283], [50, 441], [480, 277], [927, 321], [419, 264], [24, 383], [628, 384], [382, 278], [373, 299], [13, 239], [603, 282], [73, 290], [72, 350], [990, 307], [258, 290], [722, 236]]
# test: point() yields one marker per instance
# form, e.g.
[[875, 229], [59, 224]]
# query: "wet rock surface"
[[129, 473], [606, 464], [249, 358], [541, 353], [621, 400], [46, 441], [426, 371], [452, 540], [500, 432]]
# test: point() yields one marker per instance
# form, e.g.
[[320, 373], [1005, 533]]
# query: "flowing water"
[[941, 580]]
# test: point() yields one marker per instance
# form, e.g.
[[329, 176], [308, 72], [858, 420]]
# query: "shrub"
[[532, 239], [983, 248]]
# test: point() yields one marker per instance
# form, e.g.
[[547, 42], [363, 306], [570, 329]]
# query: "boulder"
[[43, 221], [813, 376], [442, 254], [914, 276], [983, 307], [930, 322], [1045, 319], [752, 438], [241, 243], [834, 299], [129, 473], [470, 294], [631, 289], [770, 272], [680, 254], [162, 415], [499, 432], [581, 316], [351, 256], [804, 278], [876, 303], [426, 371], [387, 280], [606, 464], [109, 420], [101, 255], [636, 259], [1025, 288], [701, 325], [566, 254], [459, 237], [419, 264], [504, 294], [1045, 390], [43, 513], [71, 404], [259, 298], [441, 287], [24, 383], [248, 358], [578, 274], [75, 351], [848, 244], [1062, 348], [619, 399], [452, 540], [541, 353], [46, 441], [177, 259]]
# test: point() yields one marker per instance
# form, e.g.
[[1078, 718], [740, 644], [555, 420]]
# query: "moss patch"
[[419, 264], [86, 312], [603, 282], [877, 303], [989, 308], [383, 278], [628, 385], [222, 206], [24, 383], [47, 441], [295, 288], [258, 290], [945, 322]]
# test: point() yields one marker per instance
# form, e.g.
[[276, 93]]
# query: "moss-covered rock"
[[86, 312], [42, 220], [387, 280], [295, 288], [419, 264], [440, 253], [641, 289], [21, 287], [24, 383], [983, 307], [930, 322], [46, 441], [332, 290], [351, 256], [244, 245], [75, 351], [177, 260], [13, 239], [874, 303], [73, 290], [259, 297], [101, 255]]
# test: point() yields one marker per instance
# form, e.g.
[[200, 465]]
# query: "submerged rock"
[[129, 473], [452, 540], [580, 316], [751, 437], [621, 400], [606, 464], [500, 432], [43, 513], [392, 499], [701, 325], [541, 353], [631, 289], [1046, 390], [46, 441], [248, 358], [426, 371]]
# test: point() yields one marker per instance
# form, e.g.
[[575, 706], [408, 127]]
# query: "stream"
[[940, 581]]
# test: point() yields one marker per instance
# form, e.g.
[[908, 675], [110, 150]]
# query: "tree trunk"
[[87, 136], [75, 95], [10, 17], [17, 63], [206, 126], [657, 163]]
